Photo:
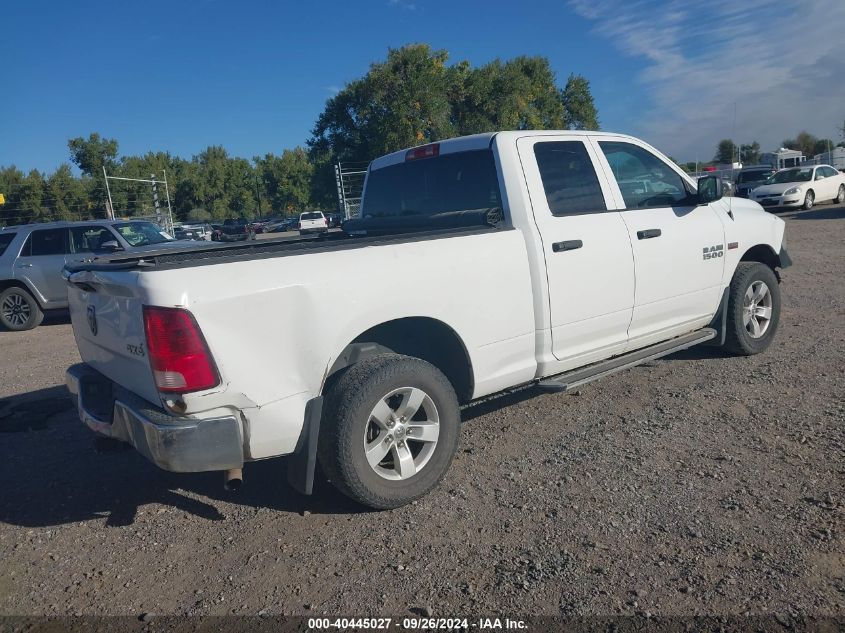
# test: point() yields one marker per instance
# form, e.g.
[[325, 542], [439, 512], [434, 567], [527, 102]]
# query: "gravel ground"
[[697, 484]]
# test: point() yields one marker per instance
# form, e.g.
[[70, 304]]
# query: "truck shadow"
[[52, 475]]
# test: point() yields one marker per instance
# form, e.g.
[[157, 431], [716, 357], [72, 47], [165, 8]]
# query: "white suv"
[[313, 222]]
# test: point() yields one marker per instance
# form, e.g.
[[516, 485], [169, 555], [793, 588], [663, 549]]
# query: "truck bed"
[[359, 234]]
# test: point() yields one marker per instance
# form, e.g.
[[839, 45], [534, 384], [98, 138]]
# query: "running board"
[[578, 377]]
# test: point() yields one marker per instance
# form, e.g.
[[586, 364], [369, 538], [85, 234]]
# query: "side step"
[[578, 377]]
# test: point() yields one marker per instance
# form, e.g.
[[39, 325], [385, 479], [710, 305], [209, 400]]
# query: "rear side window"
[[462, 181], [46, 242], [5, 240], [644, 180], [569, 178]]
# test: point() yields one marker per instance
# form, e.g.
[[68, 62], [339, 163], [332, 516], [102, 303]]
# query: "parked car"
[[32, 257], [203, 229], [750, 177], [801, 187], [480, 265], [232, 230], [192, 232], [313, 222], [279, 225]]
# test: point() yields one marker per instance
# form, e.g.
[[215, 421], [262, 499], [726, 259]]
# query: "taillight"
[[178, 353]]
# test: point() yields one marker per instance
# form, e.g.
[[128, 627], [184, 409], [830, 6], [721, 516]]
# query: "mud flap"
[[303, 463], [720, 322]]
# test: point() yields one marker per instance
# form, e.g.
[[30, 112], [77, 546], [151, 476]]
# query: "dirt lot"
[[698, 484]]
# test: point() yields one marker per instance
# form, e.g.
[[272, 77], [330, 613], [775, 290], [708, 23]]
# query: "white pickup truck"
[[479, 264]]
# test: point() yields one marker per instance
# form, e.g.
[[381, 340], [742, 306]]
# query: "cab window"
[[86, 239], [569, 178], [644, 180]]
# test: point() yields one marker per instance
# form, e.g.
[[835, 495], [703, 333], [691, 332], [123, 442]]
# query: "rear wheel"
[[389, 431], [19, 310], [809, 199], [840, 196], [753, 309]]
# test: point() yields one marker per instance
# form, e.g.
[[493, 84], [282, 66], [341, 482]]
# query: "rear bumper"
[[174, 443]]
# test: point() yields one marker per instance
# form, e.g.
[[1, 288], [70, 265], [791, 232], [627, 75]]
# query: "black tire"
[[840, 195], [19, 310], [346, 419], [809, 199], [739, 340]]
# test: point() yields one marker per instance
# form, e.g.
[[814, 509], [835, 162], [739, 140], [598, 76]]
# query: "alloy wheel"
[[757, 309], [16, 310], [401, 433]]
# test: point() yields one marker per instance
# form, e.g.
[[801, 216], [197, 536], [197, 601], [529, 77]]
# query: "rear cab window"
[[569, 178], [311, 216], [433, 187], [5, 240]]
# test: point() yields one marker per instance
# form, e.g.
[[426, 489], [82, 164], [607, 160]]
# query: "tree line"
[[749, 154], [413, 97]]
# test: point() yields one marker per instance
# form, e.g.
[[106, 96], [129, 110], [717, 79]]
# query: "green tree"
[[286, 180], [580, 110], [518, 94], [90, 155], [749, 154], [65, 196], [725, 151], [822, 145], [804, 142]]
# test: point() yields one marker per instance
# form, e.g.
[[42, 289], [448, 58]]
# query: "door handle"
[[24, 266], [647, 234], [567, 245]]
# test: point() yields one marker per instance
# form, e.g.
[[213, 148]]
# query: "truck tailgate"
[[108, 324]]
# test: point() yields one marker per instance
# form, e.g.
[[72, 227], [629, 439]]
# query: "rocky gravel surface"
[[697, 484]]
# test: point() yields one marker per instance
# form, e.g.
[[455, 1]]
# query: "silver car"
[[32, 257]]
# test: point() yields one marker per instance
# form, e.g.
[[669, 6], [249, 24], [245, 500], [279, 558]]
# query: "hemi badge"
[[733, 245]]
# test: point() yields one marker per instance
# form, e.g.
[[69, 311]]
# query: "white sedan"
[[801, 187]]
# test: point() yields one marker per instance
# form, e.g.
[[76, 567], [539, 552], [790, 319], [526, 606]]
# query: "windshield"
[[802, 174], [142, 233], [753, 176], [311, 216]]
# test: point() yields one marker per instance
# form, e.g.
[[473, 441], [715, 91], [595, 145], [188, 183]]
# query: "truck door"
[[678, 245], [589, 264]]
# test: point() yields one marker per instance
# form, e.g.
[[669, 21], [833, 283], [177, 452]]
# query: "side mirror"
[[710, 189], [111, 246]]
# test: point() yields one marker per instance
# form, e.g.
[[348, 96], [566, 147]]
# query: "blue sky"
[[253, 76]]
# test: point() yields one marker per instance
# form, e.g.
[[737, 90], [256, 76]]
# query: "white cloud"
[[403, 4], [779, 61]]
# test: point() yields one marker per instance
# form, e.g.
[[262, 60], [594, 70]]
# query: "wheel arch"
[[425, 338], [5, 284], [764, 254]]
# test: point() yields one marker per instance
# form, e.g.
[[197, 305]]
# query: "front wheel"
[[753, 309], [389, 431], [840, 196], [809, 199], [19, 310]]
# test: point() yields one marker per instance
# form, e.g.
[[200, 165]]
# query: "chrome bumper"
[[178, 444]]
